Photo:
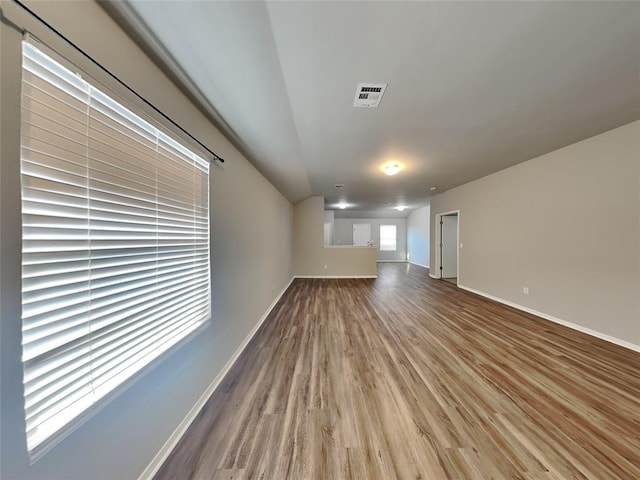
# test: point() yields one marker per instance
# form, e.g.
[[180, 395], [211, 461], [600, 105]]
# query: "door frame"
[[438, 272]]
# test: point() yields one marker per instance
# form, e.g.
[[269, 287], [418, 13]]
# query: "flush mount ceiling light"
[[342, 205], [391, 168], [401, 208], [433, 189]]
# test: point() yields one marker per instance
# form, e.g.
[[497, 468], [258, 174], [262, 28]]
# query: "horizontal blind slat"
[[110, 349], [107, 345], [115, 244]]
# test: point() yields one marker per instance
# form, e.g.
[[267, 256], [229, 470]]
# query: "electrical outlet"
[[525, 290]]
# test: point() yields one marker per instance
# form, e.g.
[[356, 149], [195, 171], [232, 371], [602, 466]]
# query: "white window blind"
[[388, 238], [115, 246]]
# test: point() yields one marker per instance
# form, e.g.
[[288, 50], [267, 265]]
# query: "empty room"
[[319, 240]]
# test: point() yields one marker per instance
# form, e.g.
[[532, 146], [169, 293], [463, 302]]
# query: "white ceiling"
[[473, 87]]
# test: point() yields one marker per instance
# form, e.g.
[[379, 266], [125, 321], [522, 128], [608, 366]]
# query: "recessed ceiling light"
[[391, 169], [401, 208], [433, 188], [342, 206]]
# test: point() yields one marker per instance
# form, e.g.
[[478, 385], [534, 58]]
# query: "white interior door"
[[361, 233], [328, 234], [449, 260]]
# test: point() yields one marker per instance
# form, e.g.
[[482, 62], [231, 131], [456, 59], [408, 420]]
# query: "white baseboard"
[[419, 264], [551, 318], [336, 276], [181, 429], [433, 276]]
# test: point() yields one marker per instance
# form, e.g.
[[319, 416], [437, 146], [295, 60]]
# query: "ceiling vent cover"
[[369, 94]]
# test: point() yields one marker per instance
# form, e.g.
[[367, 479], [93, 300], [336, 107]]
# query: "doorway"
[[362, 234], [328, 234], [447, 253]]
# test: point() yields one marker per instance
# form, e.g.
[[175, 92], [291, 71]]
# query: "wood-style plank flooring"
[[411, 378]]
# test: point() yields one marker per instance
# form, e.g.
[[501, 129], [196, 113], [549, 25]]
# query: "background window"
[[388, 238], [115, 251]]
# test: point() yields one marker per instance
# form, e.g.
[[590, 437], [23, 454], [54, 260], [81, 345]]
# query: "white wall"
[[343, 235], [566, 225], [418, 239], [251, 263]]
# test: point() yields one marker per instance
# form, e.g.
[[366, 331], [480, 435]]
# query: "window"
[[388, 238], [115, 248]]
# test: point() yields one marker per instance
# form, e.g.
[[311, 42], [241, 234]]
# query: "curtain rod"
[[105, 70]]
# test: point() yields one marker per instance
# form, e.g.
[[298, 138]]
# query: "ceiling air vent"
[[369, 94]]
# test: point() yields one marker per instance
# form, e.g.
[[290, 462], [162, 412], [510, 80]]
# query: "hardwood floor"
[[409, 377]]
